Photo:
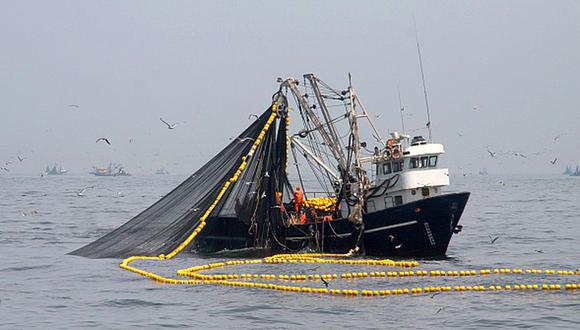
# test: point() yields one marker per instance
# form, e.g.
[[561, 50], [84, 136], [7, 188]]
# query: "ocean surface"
[[537, 219]]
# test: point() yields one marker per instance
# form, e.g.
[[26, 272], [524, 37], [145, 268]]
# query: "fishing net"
[[250, 200]]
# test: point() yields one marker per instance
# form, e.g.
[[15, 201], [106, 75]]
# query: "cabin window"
[[386, 168], [433, 161], [424, 161], [397, 166], [414, 163], [398, 200], [413, 192], [371, 206], [378, 167], [388, 201], [425, 191]]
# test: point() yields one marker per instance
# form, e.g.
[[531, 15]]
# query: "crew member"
[[298, 199]]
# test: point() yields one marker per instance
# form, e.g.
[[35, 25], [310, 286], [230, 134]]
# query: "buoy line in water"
[[286, 282], [249, 280]]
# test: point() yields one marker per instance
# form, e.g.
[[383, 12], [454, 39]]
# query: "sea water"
[[537, 219]]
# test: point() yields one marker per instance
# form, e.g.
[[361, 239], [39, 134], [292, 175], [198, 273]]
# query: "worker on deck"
[[298, 199]]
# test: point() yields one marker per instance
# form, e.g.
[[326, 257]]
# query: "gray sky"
[[207, 65]]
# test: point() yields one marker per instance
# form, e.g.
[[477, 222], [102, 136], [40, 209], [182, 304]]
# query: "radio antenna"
[[401, 108], [423, 79]]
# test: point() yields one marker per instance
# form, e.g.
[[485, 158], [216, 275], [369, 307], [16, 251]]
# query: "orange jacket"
[[298, 197]]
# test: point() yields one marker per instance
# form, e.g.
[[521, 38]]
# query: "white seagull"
[[81, 193]]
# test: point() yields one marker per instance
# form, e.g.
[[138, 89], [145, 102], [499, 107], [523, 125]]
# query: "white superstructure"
[[406, 174]]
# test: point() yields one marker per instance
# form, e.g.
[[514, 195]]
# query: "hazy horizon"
[[500, 75]]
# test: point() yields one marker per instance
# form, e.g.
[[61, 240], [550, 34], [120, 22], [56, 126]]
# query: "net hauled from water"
[[163, 226]]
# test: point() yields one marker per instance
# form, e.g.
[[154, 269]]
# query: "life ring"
[[396, 153], [388, 153]]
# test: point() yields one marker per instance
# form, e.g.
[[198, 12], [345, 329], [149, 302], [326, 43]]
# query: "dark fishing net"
[[167, 223]]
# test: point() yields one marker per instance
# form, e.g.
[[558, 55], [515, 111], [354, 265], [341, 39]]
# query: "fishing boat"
[[54, 170], [390, 202], [111, 170], [162, 171], [254, 194]]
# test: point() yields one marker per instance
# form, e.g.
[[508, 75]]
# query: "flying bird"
[[557, 137], [517, 154], [324, 281], [5, 169], [553, 162], [439, 310], [310, 269], [103, 139], [20, 158], [81, 193], [435, 294], [253, 115], [169, 126], [492, 239], [491, 153], [475, 107], [74, 106], [539, 251]]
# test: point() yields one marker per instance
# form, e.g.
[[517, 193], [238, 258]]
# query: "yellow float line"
[[226, 280]]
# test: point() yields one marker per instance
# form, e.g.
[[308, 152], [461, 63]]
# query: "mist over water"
[[41, 287]]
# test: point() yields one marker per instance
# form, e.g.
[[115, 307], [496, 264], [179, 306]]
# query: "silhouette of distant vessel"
[[571, 172], [54, 170], [162, 171], [111, 170]]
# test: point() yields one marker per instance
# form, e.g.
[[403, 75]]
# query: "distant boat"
[[54, 170], [162, 171], [111, 170], [571, 172]]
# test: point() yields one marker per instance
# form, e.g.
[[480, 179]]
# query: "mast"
[[331, 129], [401, 108], [332, 142], [355, 215], [423, 80]]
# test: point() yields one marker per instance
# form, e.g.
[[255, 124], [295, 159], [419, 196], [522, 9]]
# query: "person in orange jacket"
[[298, 199]]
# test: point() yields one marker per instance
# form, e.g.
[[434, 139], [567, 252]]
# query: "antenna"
[[423, 79], [402, 108]]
